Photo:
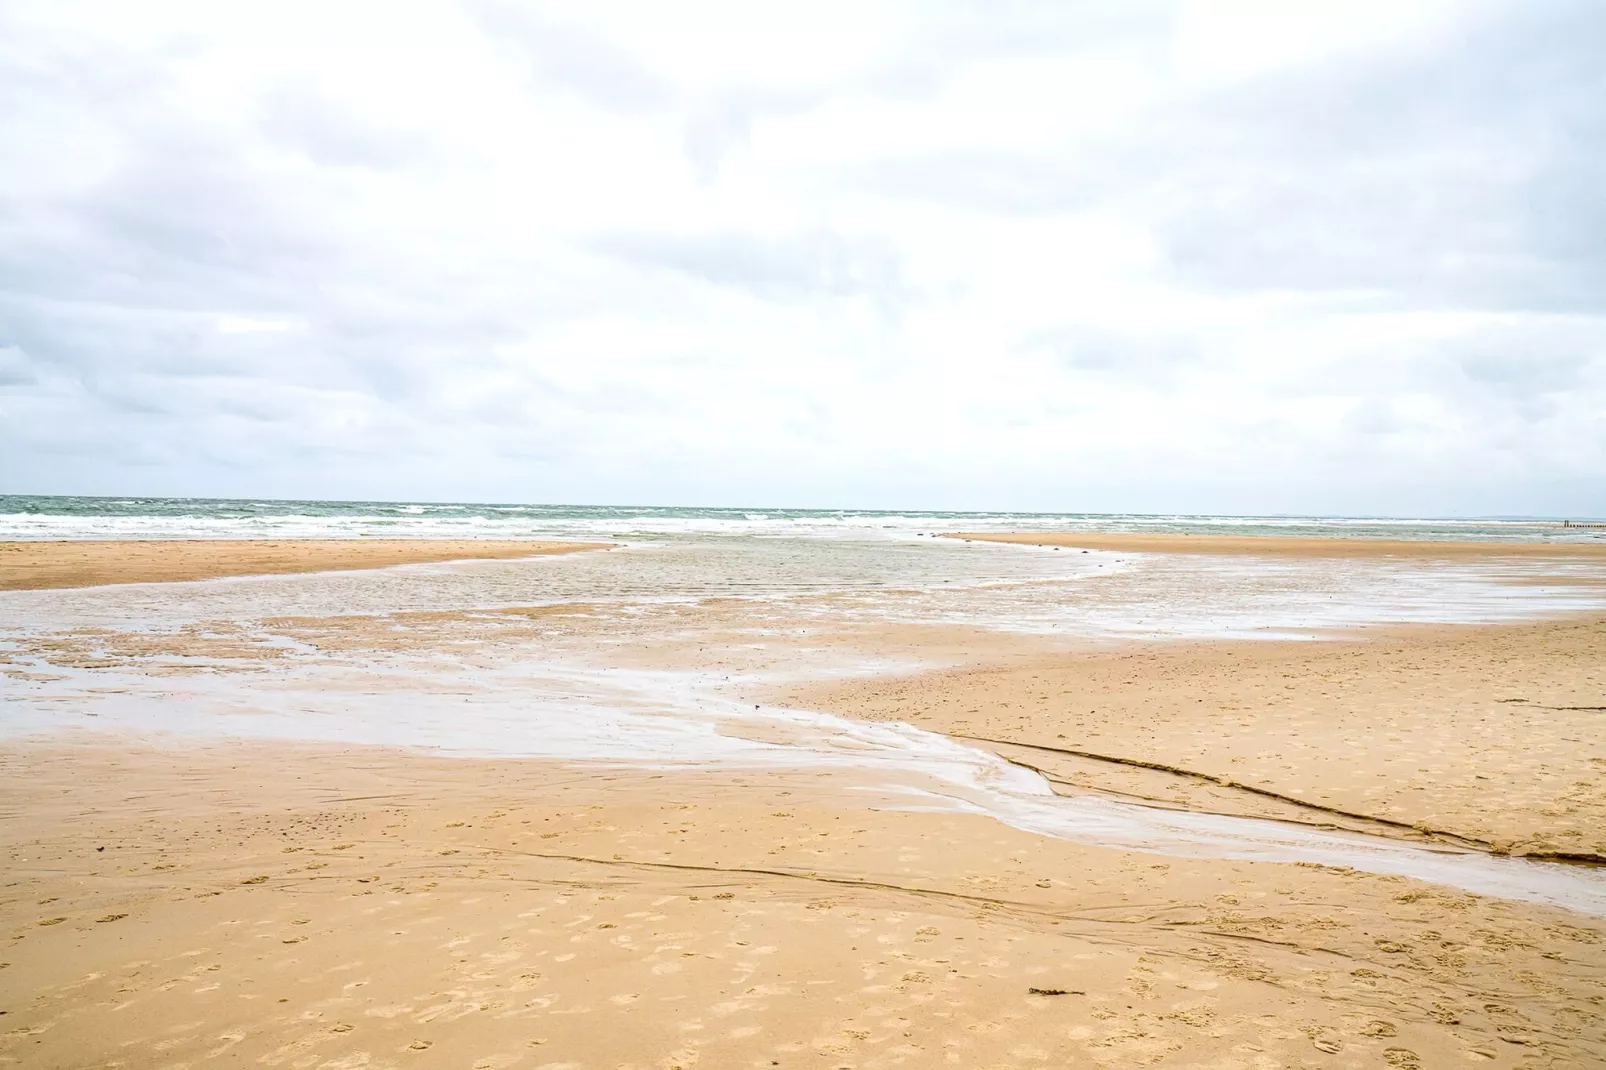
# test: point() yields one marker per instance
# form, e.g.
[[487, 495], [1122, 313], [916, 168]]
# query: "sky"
[[1164, 257]]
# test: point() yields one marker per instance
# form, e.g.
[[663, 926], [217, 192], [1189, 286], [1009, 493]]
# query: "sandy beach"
[[193, 902], [803, 537], [29, 566]]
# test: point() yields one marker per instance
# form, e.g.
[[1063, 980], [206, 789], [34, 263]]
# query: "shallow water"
[[915, 580]]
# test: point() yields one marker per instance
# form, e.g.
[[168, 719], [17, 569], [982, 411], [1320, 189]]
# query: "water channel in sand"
[[642, 655]]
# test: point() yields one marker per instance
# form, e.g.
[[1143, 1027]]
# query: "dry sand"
[[1137, 542], [341, 908], [26, 566]]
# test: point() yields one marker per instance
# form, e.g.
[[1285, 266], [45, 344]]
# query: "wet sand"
[[32, 566], [346, 906], [328, 908], [1270, 545]]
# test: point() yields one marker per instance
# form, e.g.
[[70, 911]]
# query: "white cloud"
[[1144, 256]]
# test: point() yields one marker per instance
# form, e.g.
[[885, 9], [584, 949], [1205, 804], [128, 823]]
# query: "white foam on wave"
[[23, 517]]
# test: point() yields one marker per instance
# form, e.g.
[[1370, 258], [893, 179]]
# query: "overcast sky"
[[1218, 257]]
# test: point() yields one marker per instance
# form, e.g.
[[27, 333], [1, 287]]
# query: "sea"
[[65, 517]]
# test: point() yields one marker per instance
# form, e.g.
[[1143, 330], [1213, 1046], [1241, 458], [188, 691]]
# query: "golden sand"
[[323, 908], [67, 563]]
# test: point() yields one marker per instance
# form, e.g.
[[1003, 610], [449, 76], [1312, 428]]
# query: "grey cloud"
[[163, 208], [121, 284], [564, 56], [195, 205], [1527, 376], [1527, 369], [1465, 174], [1375, 416], [1502, 384], [724, 122], [15, 367], [1005, 183], [44, 75], [182, 224], [1155, 360], [323, 129], [1460, 172], [793, 268], [951, 37]]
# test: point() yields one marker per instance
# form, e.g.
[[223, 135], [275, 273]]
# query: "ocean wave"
[[42, 517]]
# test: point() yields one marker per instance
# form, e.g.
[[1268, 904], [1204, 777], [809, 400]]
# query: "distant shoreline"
[[258, 501]]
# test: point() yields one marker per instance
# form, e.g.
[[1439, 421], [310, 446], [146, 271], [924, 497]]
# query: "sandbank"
[[1489, 735], [73, 563], [1290, 546]]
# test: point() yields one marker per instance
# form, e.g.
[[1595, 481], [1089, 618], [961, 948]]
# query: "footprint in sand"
[[229, 1041]]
